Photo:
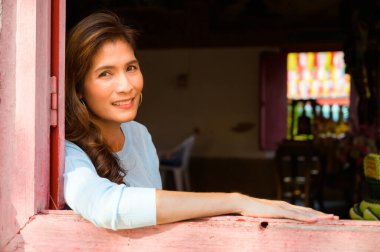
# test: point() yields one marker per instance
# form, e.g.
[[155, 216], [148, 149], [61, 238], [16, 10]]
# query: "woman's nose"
[[123, 84]]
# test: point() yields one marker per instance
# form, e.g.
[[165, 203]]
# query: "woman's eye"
[[131, 68], [104, 74]]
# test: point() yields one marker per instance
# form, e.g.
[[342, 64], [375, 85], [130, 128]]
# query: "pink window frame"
[[26, 224], [26, 38]]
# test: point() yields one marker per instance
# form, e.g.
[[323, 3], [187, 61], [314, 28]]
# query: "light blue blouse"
[[107, 204]]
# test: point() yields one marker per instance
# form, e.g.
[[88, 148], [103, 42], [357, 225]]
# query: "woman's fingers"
[[320, 215], [309, 213], [282, 209]]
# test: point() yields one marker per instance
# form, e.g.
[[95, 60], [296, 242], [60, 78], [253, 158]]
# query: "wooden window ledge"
[[66, 231]]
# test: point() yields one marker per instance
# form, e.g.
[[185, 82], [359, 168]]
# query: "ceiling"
[[212, 23]]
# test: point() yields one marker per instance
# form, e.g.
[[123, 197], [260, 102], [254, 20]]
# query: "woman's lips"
[[127, 103]]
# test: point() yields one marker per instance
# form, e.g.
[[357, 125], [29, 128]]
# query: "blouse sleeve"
[[104, 203]]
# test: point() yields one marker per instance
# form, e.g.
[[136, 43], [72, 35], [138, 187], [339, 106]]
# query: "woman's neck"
[[112, 135]]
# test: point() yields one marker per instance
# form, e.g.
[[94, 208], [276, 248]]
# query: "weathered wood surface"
[[24, 112], [65, 231]]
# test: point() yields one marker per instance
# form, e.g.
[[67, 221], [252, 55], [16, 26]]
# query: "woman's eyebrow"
[[134, 61], [103, 68]]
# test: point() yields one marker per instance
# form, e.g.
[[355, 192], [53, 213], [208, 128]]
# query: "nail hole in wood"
[[264, 224]]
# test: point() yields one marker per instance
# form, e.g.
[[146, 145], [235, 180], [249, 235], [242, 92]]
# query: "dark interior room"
[[223, 71]]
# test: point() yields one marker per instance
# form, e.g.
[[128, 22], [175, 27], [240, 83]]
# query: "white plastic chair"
[[177, 161]]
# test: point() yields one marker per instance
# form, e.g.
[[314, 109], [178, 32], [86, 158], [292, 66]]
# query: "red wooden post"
[[57, 132]]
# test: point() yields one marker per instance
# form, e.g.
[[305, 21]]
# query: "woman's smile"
[[124, 103]]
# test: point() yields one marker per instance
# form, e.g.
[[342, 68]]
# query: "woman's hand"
[[254, 207]]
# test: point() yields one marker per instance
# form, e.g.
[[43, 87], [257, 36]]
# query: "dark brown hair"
[[84, 41]]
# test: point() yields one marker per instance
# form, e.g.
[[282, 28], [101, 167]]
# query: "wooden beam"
[[66, 231], [24, 112]]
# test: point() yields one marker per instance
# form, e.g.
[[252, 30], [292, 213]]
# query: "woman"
[[111, 175]]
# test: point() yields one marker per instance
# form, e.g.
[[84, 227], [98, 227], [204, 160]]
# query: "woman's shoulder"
[[71, 145], [76, 157], [71, 149]]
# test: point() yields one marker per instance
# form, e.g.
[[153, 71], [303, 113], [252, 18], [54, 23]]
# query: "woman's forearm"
[[175, 206]]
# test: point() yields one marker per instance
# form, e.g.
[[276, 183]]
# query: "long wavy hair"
[[83, 42]]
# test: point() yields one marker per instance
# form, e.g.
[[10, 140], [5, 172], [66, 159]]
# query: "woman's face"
[[113, 84]]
